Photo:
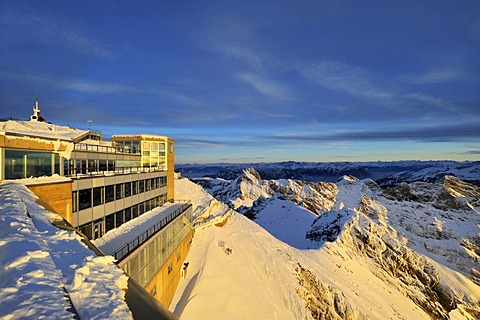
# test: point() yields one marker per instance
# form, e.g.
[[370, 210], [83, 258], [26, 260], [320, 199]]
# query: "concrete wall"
[[58, 196]]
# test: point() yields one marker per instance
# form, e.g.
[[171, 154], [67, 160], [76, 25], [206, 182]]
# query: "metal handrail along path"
[[144, 236]]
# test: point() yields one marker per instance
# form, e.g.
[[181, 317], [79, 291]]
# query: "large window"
[[109, 222], [98, 197], [69, 167], [128, 214], [84, 199], [92, 165], [25, 164], [111, 165], [102, 164], [134, 187], [119, 191], [81, 166], [128, 189], [119, 218], [109, 193], [134, 212], [128, 146], [163, 181]]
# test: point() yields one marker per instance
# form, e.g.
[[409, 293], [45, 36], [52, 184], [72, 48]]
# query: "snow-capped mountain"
[[247, 193], [345, 250], [384, 173]]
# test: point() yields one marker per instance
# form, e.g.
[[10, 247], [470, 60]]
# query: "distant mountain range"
[[383, 173]]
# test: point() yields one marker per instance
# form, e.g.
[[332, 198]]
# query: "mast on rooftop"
[[36, 112]]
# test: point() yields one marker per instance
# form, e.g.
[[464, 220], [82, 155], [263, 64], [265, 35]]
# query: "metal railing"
[[122, 170], [124, 251], [108, 149], [94, 147]]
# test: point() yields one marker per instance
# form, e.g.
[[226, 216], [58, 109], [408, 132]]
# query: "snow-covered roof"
[[40, 130], [140, 137]]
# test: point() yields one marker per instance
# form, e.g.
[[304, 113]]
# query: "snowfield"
[[369, 254], [48, 273]]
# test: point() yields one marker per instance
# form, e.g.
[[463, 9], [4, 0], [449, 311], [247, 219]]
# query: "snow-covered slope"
[[48, 273], [362, 258]]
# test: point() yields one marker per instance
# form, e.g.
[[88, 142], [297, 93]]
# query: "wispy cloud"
[[53, 32], [266, 87], [433, 76], [245, 55], [71, 84], [437, 102], [341, 77], [439, 133], [195, 142], [470, 152]]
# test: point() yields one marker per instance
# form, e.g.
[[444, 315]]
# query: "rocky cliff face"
[[423, 192], [248, 192], [365, 231]]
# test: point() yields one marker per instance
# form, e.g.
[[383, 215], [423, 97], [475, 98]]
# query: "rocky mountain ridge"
[[248, 192], [409, 233]]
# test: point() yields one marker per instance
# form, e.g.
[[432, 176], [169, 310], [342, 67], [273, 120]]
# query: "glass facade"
[[24, 164], [132, 147], [118, 218], [152, 152], [145, 263], [88, 198]]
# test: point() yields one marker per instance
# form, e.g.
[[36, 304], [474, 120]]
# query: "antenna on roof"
[[89, 125], [36, 112]]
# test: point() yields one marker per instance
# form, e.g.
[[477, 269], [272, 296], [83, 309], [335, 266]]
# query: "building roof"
[[40, 130], [140, 137]]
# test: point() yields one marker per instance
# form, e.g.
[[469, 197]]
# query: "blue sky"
[[253, 81]]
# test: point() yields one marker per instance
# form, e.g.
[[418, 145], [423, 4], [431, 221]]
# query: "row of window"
[[78, 166], [92, 197], [24, 164], [98, 228]]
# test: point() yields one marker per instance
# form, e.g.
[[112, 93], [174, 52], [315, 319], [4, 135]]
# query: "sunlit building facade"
[[100, 184]]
